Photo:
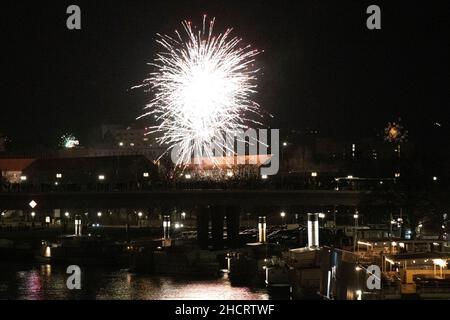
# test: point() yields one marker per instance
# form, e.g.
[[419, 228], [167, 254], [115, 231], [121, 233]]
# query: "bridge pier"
[[233, 219], [217, 226], [203, 227]]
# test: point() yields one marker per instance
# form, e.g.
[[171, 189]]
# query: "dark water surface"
[[45, 281]]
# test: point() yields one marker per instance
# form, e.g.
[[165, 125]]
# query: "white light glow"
[[201, 89], [440, 262]]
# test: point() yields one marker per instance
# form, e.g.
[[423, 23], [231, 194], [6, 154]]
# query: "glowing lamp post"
[[33, 214], [313, 230], [282, 215], [355, 231], [166, 227], [139, 218], [78, 225], [262, 229]]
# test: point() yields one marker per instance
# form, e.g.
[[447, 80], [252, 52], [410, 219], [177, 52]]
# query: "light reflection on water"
[[47, 282]]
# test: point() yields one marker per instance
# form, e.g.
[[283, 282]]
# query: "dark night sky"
[[322, 68]]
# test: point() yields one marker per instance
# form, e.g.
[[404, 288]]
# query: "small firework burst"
[[69, 141]]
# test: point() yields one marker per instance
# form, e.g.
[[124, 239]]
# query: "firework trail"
[[201, 88]]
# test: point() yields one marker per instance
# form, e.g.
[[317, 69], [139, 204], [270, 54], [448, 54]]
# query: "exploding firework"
[[69, 141], [202, 88], [395, 132]]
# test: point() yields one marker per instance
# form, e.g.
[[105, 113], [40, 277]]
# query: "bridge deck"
[[144, 199]]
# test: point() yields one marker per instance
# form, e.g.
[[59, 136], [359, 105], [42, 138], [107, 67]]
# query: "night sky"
[[321, 67]]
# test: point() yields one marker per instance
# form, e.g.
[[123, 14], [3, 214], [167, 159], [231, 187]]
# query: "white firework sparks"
[[202, 88]]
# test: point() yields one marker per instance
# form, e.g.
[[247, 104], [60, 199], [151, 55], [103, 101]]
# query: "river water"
[[48, 282]]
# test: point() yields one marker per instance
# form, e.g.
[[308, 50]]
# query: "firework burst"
[[202, 88]]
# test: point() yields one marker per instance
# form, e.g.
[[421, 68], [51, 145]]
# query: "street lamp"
[[99, 214], [355, 231], [322, 217], [33, 214], [183, 215], [139, 218], [282, 214]]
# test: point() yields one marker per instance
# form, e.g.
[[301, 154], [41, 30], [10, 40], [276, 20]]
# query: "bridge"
[[180, 198], [210, 206]]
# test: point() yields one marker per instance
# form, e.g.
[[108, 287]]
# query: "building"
[[11, 169], [126, 137], [92, 173]]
